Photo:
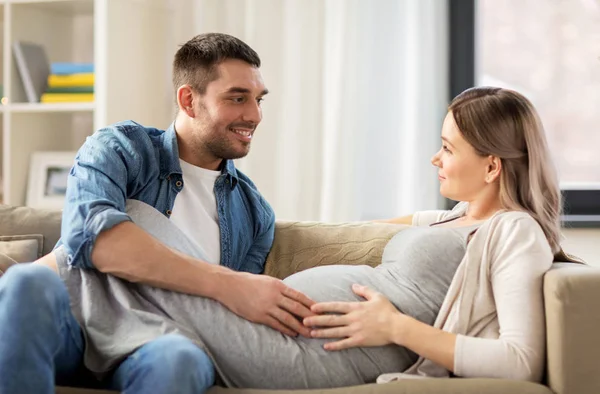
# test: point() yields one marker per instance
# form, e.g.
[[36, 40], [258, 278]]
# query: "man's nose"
[[252, 113]]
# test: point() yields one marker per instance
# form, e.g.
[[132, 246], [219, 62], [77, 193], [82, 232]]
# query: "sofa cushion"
[[25, 220], [22, 248], [415, 386]]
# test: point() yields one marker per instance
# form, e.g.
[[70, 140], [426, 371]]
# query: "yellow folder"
[[67, 97], [61, 81]]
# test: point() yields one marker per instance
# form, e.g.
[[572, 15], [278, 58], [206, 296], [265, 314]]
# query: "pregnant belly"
[[333, 282]]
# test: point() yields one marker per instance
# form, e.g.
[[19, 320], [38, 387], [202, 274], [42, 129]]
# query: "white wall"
[[583, 243]]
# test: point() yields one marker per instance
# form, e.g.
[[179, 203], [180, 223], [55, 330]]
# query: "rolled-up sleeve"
[[96, 193]]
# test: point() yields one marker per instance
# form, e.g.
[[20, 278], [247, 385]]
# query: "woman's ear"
[[494, 168]]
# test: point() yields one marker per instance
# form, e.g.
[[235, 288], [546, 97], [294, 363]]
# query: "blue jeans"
[[41, 344]]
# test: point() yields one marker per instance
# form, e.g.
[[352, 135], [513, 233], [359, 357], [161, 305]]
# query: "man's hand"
[[266, 300]]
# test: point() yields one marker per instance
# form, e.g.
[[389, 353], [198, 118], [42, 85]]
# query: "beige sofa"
[[572, 294]]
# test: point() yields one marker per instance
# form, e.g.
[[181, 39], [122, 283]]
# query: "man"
[[187, 173]]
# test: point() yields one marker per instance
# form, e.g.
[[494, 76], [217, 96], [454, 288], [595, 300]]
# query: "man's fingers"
[[288, 320], [295, 307], [297, 296], [275, 324]]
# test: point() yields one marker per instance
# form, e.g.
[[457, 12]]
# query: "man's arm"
[[98, 234], [129, 252]]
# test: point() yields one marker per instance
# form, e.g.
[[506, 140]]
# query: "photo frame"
[[47, 184]]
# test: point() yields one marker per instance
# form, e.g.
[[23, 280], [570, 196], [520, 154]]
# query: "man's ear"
[[494, 169], [185, 100]]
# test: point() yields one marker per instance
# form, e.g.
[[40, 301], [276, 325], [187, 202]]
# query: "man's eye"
[[445, 148], [237, 99], [259, 100]]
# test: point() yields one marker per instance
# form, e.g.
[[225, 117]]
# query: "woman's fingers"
[[337, 332], [334, 307], [343, 344], [326, 321]]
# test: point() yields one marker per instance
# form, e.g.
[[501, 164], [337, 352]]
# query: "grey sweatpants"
[[118, 316]]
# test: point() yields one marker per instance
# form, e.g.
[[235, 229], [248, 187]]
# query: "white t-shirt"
[[195, 210]]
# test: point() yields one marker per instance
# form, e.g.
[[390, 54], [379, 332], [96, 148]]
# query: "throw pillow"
[[22, 248], [5, 263]]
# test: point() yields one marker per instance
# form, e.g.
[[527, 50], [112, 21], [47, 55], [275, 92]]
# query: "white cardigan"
[[495, 302]]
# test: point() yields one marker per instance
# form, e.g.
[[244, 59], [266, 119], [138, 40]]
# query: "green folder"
[[72, 89]]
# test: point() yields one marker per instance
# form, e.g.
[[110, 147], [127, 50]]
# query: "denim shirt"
[[130, 161]]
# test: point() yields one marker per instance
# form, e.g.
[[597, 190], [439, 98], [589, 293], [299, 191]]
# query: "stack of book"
[[70, 82]]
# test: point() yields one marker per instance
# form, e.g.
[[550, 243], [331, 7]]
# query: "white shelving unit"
[[128, 42]]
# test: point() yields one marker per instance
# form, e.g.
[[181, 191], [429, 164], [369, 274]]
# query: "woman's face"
[[462, 172]]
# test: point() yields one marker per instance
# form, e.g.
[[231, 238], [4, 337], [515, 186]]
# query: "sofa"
[[572, 300]]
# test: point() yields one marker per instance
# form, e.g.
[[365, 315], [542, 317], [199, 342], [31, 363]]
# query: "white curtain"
[[358, 94]]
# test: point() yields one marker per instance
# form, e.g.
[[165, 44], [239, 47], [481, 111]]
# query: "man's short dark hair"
[[196, 61]]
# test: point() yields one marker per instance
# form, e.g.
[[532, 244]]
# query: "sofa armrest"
[[301, 245], [572, 294]]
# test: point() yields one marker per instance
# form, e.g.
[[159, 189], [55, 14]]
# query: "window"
[[550, 52]]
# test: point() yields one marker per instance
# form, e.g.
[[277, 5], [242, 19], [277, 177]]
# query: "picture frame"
[[47, 183]]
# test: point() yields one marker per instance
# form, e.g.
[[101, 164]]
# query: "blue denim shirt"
[[130, 161]]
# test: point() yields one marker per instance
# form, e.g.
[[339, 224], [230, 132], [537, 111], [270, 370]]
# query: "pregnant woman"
[[458, 292]]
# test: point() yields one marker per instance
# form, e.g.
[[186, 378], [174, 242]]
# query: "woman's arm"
[[399, 220], [376, 322], [521, 258], [429, 342]]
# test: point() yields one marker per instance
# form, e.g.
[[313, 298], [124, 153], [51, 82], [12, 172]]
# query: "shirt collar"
[[171, 165]]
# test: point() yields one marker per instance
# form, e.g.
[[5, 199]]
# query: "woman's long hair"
[[503, 123]]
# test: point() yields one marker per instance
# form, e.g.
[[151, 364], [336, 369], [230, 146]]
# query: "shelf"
[[69, 7], [58, 107], [103, 32]]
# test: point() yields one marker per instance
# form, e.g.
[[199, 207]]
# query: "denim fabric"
[[171, 364], [130, 161], [39, 332]]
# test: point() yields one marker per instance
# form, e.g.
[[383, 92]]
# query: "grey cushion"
[[25, 220], [22, 248]]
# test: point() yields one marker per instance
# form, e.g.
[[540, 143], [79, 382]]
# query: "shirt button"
[[227, 181], [169, 212], [178, 183]]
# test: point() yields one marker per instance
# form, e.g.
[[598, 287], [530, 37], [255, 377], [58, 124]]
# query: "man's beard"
[[224, 149]]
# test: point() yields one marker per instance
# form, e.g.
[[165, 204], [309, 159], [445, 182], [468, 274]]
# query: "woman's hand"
[[360, 324]]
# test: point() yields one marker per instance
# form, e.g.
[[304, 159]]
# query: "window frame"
[[581, 207]]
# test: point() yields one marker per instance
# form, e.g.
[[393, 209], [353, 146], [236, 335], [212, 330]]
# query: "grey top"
[[417, 268]]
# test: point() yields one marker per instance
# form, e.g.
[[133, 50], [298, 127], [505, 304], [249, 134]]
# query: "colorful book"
[[71, 89], [62, 81], [71, 68], [67, 97]]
